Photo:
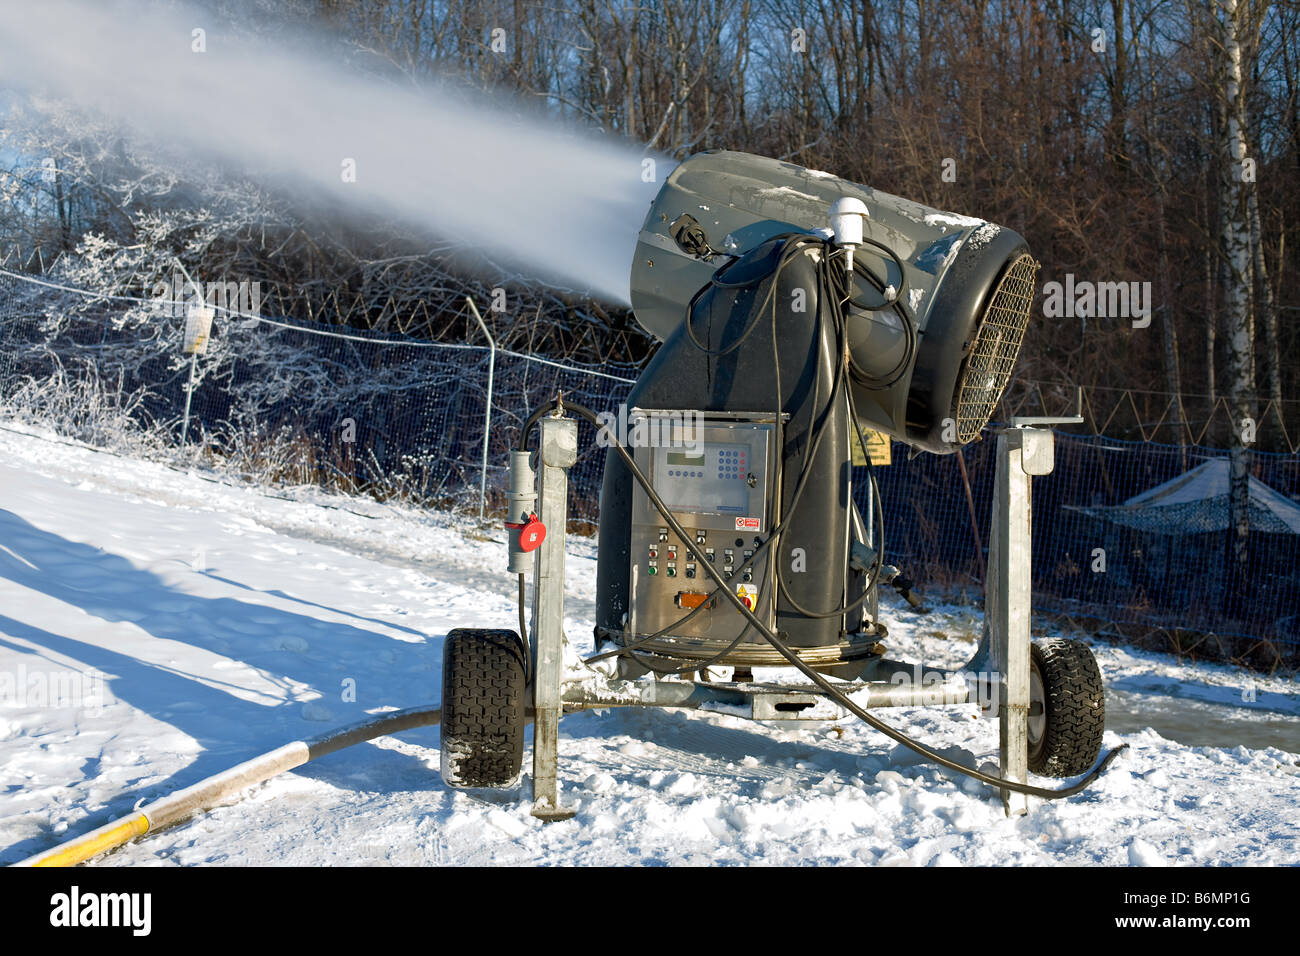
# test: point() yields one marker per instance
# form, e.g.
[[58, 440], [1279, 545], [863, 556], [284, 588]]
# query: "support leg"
[[1007, 613], [1022, 453], [559, 450]]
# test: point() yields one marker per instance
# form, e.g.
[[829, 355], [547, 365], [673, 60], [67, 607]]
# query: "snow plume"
[[561, 205]]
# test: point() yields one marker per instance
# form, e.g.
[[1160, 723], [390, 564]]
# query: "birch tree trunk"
[[1266, 305], [1237, 299]]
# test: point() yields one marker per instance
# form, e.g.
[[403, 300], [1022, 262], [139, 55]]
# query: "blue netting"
[[1085, 562]]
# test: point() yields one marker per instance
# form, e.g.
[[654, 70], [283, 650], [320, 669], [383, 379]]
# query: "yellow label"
[[877, 445]]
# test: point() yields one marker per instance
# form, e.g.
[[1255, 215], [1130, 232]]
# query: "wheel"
[[1067, 708], [482, 708]]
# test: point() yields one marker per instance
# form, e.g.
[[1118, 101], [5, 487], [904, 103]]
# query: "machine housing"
[[939, 306]]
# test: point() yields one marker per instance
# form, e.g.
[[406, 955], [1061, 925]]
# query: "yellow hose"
[[92, 844], [207, 792]]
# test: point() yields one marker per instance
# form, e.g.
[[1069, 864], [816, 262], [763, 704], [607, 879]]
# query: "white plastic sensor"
[[848, 216]]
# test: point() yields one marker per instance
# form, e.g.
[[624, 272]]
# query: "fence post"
[[487, 411], [189, 394], [191, 320]]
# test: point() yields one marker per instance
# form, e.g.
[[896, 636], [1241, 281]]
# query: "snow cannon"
[[741, 539], [759, 275], [940, 302]]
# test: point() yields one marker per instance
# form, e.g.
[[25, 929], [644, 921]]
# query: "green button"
[[653, 569]]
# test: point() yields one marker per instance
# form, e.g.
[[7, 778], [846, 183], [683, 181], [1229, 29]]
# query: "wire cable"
[[830, 689], [752, 620], [821, 681]]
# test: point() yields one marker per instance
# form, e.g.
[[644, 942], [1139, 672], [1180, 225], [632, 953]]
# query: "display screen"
[[682, 458], [712, 479]]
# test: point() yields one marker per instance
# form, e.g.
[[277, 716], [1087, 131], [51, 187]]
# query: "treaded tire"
[[1074, 706], [482, 708]]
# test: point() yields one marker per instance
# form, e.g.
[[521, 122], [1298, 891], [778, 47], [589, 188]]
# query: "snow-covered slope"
[[183, 625]]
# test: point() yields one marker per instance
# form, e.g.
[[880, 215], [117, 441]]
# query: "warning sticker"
[[749, 524], [878, 447]]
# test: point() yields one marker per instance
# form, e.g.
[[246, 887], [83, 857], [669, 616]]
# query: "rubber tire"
[[482, 708], [1075, 707]]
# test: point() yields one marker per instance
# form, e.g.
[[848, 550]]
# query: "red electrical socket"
[[531, 533]]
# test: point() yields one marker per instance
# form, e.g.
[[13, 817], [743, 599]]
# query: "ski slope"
[[157, 627]]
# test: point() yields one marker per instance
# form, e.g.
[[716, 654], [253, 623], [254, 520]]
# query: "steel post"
[[1021, 453], [559, 450], [487, 405], [189, 394]]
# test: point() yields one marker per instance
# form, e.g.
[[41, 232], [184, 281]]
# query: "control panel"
[[714, 474]]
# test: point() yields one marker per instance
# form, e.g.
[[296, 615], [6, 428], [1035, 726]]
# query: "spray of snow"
[[565, 207]]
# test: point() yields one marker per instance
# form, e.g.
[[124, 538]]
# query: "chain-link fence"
[[1159, 567], [359, 412]]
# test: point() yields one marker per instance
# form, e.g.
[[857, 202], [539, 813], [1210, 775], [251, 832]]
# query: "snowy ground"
[[157, 627]]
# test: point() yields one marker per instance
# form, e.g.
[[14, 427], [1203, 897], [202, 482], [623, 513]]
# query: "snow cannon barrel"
[[940, 302]]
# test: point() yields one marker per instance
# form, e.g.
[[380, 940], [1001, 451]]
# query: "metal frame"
[[559, 450], [1020, 453], [997, 676]]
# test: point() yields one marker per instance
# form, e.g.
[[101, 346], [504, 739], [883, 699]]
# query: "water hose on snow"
[[210, 791]]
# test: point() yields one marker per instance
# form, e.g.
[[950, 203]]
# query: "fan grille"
[[992, 357]]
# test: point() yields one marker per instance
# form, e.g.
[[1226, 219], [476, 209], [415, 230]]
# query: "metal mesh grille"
[[993, 353]]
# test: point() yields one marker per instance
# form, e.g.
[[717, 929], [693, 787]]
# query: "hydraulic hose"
[[210, 791]]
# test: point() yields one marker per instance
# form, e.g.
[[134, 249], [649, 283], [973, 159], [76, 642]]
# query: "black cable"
[[534, 418], [889, 303], [821, 681], [523, 633], [774, 535], [841, 283], [629, 649], [782, 587], [841, 331], [816, 425], [878, 544], [794, 243], [690, 665], [723, 585], [850, 606]]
